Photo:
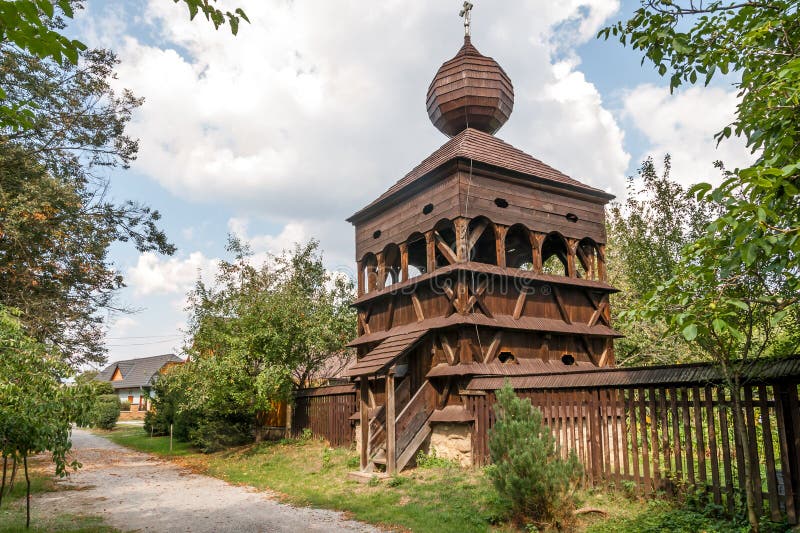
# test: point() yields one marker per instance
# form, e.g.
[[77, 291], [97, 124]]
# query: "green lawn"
[[12, 512], [135, 437], [438, 499]]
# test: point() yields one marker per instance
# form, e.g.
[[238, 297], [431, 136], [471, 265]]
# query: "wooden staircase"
[[411, 430]]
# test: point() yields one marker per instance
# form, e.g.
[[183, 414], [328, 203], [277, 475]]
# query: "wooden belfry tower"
[[480, 261]]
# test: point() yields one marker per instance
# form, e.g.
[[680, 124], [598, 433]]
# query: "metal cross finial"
[[466, 13]]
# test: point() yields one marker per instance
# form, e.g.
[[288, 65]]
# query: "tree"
[[646, 235], [259, 332], [36, 410], [35, 27], [56, 225], [527, 468], [738, 283]]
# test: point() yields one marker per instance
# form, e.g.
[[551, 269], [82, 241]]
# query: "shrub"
[[215, 434], [105, 411], [124, 405], [528, 471]]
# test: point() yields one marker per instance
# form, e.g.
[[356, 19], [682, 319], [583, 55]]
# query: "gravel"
[[135, 491]]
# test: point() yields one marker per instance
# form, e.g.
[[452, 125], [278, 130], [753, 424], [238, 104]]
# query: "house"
[[132, 379]]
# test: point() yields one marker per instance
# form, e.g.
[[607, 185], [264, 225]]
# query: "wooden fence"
[[652, 429], [661, 431], [326, 412]]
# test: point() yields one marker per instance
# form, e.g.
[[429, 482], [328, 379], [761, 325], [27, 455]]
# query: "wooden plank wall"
[[663, 438], [326, 415]]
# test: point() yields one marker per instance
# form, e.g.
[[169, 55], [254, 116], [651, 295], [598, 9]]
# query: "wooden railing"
[[414, 415]]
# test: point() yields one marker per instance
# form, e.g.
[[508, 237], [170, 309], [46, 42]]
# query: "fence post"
[[594, 442], [788, 435]]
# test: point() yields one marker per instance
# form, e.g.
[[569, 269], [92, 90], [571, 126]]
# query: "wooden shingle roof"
[[481, 147], [548, 325], [700, 373], [385, 353]]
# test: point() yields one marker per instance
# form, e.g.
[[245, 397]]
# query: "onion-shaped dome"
[[470, 91]]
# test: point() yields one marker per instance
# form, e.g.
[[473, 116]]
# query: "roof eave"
[[368, 210]]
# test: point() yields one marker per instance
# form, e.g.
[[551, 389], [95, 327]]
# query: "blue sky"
[[316, 107]]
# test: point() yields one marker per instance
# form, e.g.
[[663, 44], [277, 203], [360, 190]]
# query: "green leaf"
[[690, 332]]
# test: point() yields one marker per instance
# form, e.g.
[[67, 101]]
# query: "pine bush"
[[527, 469]]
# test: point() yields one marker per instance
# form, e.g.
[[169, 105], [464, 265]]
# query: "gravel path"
[[134, 491]]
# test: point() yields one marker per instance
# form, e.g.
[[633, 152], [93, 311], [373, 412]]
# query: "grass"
[[12, 512], [439, 498], [135, 437]]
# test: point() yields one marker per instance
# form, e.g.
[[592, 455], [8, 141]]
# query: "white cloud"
[[154, 274], [291, 234], [122, 325], [683, 125]]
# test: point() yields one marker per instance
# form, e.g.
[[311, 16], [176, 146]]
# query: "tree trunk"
[[3, 485], [13, 475], [741, 434], [27, 493]]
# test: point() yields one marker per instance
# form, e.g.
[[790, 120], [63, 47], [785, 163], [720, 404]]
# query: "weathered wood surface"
[[661, 436]]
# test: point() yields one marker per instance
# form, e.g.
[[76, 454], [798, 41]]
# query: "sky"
[[315, 108]]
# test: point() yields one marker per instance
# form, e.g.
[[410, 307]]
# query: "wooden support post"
[[572, 246], [537, 239], [382, 273], [364, 422], [430, 250], [404, 261], [500, 244], [601, 262], [462, 246], [361, 289], [391, 453]]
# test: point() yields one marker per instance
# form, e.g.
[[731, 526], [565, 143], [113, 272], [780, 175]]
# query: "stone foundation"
[[452, 441]]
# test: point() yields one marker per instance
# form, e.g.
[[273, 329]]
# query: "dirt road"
[[134, 491]]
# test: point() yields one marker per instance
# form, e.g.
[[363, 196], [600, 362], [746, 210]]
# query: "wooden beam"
[[445, 393], [364, 416], [417, 307], [451, 297], [390, 312], [477, 298], [461, 226], [572, 244], [598, 314], [382, 273], [520, 305], [560, 303], [500, 244], [604, 356], [445, 250], [449, 352], [588, 344], [361, 289], [494, 347], [391, 441], [404, 261], [362, 322], [537, 239], [464, 348], [372, 403], [601, 262], [476, 233], [430, 251]]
